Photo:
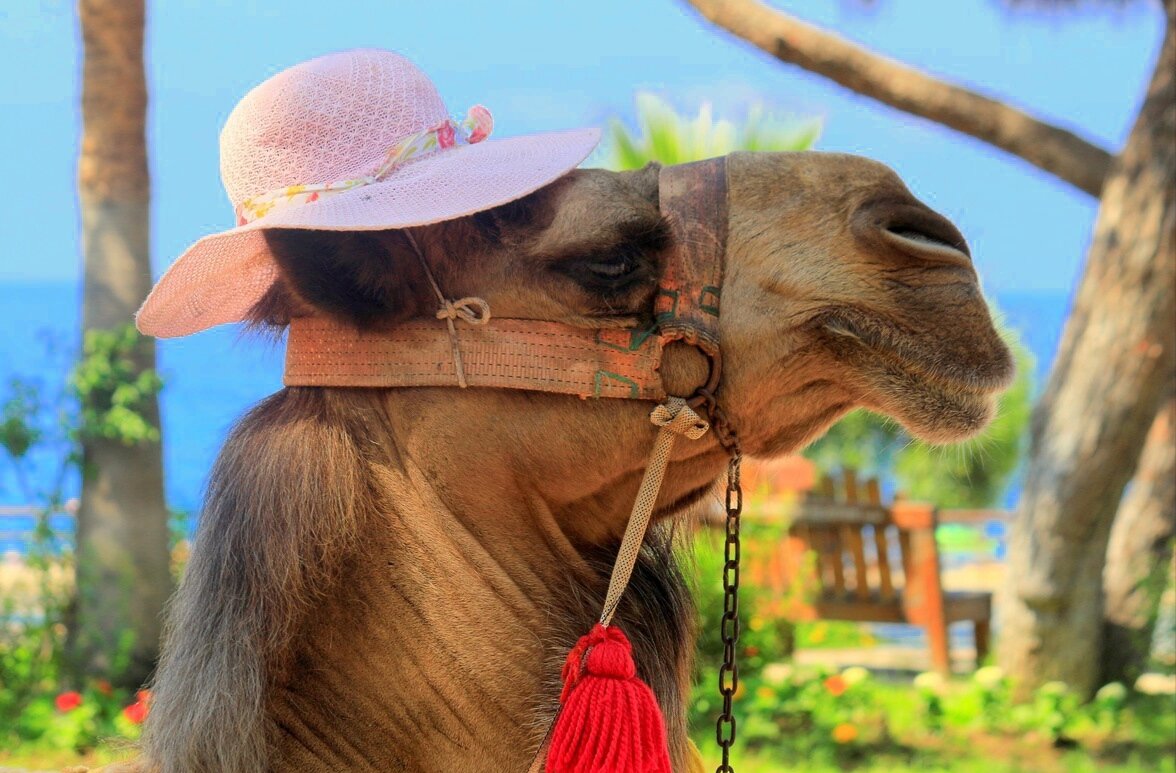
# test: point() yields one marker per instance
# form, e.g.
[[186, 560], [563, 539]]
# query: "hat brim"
[[222, 276]]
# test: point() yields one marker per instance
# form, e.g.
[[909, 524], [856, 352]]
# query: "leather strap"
[[693, 200], [504, 354]]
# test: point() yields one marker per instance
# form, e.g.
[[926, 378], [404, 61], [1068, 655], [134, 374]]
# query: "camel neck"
[[462, 600]]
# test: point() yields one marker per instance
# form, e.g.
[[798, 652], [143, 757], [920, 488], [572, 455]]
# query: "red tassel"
[[609, 721]]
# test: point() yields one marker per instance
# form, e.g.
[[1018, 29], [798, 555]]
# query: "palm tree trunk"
[[1111, 377], [123, 576], [1139, 557]]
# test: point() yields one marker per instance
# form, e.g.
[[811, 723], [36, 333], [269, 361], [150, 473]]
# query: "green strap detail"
[[598, 382], [673, 296], [709, 308], [638, 337]]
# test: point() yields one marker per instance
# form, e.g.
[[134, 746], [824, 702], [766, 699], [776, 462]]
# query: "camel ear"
[[366, 278], [506, 218]]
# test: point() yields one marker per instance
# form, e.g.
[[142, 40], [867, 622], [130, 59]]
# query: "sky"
[[553, 64]]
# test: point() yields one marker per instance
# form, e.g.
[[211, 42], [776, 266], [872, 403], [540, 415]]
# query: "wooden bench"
[[849, 557]]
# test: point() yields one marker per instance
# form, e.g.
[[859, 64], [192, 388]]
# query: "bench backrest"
[[846, 546]]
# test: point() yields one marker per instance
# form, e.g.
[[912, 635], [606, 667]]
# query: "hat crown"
[[328, 119]]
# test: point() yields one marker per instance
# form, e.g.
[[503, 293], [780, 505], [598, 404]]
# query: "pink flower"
[[482, 123], [68, 701], [445, 135]]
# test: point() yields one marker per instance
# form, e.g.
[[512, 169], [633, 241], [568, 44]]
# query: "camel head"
[[841, 289]]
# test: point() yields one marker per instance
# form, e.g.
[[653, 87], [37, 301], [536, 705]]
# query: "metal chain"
[[729, 628]]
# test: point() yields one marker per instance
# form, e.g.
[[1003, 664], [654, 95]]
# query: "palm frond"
[[668, 137]]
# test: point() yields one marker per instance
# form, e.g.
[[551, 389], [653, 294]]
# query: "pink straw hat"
[[352, 141]]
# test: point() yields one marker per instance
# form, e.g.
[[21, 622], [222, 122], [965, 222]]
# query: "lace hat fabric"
[[351, 141]]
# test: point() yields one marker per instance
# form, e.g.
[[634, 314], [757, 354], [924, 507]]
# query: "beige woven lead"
[[675, 418]]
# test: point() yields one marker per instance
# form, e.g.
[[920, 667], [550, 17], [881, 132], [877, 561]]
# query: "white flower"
[[1114, 692], [777, 674], [989, 677], [1053, 688], [930, 681], [855, 675]]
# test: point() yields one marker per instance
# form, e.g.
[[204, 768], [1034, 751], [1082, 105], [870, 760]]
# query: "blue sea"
[[213, 377]]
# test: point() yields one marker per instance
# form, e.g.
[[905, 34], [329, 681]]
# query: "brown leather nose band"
[[549, 356]]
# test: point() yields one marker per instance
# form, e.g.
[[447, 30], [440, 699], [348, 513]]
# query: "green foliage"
[[111, 388], [851, 720], [104, 398], [862, 441], [76, 720], [667, 137], [763, 635], [17, 434], [970, 474]]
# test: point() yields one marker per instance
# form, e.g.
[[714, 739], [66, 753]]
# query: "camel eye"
[[612, 270], [617, 268]]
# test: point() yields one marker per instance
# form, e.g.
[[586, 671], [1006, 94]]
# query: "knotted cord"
[[471, 309]]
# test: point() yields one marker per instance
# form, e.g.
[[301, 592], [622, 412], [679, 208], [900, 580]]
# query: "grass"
[[987, 755], [48, 759]]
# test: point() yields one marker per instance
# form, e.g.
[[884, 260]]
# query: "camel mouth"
[[940, 398], [928, 356]]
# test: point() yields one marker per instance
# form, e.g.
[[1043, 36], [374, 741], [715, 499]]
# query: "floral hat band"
[[475, 127]]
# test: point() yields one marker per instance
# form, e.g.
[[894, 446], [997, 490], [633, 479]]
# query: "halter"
[[466, 347], [543, 356]]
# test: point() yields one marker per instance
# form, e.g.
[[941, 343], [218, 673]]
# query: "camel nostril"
[[928, 243], [914, 229], [920, 236]]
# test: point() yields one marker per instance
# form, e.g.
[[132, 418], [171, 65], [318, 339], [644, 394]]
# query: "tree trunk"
[[1112, 373], [1139, 558], [123, 576]]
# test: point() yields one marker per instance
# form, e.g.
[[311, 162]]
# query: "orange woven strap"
[[693, 200], [504, 354]]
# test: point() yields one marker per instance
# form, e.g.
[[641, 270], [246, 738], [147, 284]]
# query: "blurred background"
[[1044, 130]]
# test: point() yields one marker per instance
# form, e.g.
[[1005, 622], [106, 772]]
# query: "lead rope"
[[471, 309], [675, 417]]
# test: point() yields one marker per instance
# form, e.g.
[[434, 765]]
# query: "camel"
[[389, 579]]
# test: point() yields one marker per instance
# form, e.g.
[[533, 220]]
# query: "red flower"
[[136, 712], [104, 687], [836, 685], [445, 135], [143, 696], [68, 701]]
